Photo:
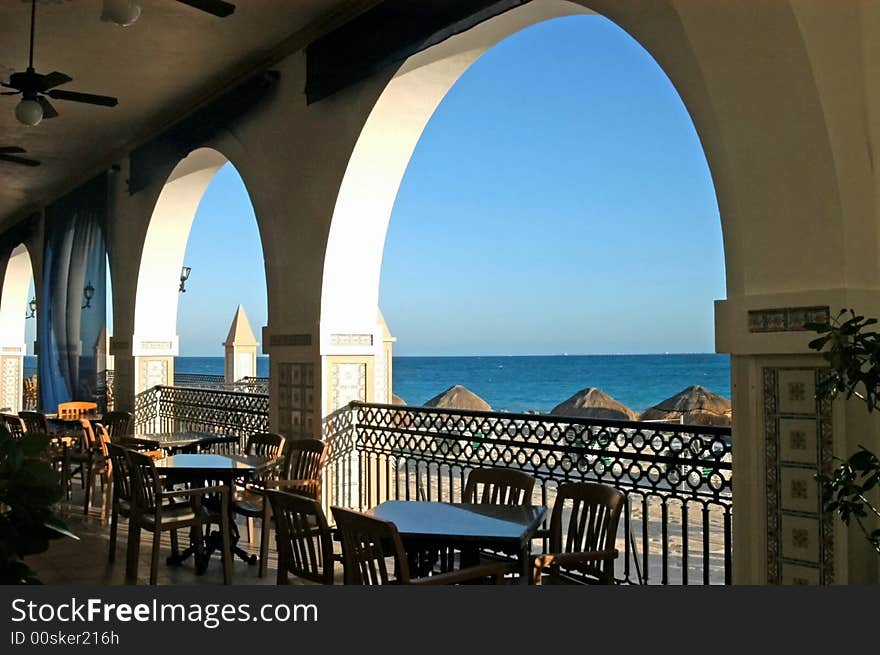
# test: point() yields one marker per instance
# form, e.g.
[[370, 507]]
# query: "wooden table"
[[425, 525], [224, 469]]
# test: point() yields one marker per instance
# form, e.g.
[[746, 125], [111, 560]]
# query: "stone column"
[[240, 349], [782, 437]]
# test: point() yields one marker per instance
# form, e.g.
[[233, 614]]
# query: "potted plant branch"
[[29, 490], [851, 347]]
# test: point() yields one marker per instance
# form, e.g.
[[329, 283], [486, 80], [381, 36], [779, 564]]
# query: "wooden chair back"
[[372, 551], [145, 482], [498, 486], [101, 439], [118, 424], [34, 422], [89, 441], [122, 478], [304, 460], [75, 409], [304, 540], [264, 444], [14, 425], [584, 519]]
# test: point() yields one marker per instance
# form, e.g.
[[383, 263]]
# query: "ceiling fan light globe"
[[29, 112], [122, 12]]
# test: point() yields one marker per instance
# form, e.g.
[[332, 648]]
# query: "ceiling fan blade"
[[88, 98], [9, 150], [19, 160], [48, 109], [9, 93], [53, 79], [216, 7]]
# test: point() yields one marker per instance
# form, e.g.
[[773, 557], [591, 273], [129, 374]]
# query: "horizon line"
[[653, 354]]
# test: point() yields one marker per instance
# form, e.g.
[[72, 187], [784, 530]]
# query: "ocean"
[[539, 383]]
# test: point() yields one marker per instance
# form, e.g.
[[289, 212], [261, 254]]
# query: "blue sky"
[[558, 201]]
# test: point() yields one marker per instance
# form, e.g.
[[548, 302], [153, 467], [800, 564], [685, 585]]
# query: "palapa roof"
[[459, 397], [695, 405], [397, 400], [594, 403]]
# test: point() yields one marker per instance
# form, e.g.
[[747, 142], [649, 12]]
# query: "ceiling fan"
[[126, 12], [8, 154], [35, 87]]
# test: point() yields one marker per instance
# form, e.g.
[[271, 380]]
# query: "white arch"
[[13, 307], [14, 299], [155, 319], [353, 261]]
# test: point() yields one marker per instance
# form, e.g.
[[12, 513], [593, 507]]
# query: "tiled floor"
[[69, 561]]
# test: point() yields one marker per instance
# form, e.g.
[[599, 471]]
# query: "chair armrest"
[[568, 559], [293, 484], [495, 570]]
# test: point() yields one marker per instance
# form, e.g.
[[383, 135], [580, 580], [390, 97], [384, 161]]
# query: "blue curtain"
[[70, 334]]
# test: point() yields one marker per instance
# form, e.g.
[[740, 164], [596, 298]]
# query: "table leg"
[[525, 564]]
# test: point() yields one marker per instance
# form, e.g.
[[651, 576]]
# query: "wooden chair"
[[122, 497], [303, 538], [75, 410], [118, 424], [498, 486], [369, 543], [154, 510], [35, 422], [14, 425], [583, 532], [97, 466], [301, 473], [249, 501]]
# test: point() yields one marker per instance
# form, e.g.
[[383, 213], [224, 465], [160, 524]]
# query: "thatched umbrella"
[[459, 397], [695, 405], [594, 403], [397, 400]]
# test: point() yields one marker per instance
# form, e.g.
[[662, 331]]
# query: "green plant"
[[29, 488], [853, 354]]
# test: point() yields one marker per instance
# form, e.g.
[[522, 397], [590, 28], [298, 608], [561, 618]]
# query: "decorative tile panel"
[[786, 319], [348, 381], [296, 399], [798, 442], [11, 380], [797, 392], [351, 339], [796, 574], [154, 372], [799, 490]]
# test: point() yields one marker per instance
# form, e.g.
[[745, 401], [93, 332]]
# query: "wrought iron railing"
[[676, 525], [179, 409], [197, 379], [249, 384]]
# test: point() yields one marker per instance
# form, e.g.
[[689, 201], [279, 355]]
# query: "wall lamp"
[[184, 276], [32, 306], [88, 294]]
